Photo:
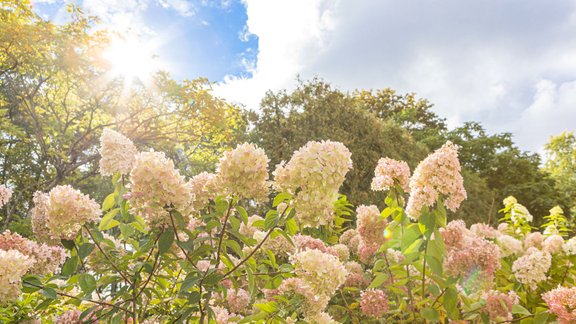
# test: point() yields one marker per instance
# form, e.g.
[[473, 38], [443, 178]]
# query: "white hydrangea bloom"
[[13, 265], [60, 213], [313, 177], [570, 246], [155, 184], [118, 153], [244, 172]]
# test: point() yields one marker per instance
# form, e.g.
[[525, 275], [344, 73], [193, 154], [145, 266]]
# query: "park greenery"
[[157, 202]]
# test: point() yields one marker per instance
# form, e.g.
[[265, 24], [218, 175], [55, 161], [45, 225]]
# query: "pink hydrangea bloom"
[[553, 244], [238, 300], [5, 195], [370, 225], [499, 305], [437, 176], [390, 172], [484, 230], [534, 239], [351, 239], [562, 302], [44, 259], [374, 303], [476, 254]]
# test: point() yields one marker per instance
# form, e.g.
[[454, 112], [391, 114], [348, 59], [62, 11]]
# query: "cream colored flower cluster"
[[370, 227], [5, 195], [60, 213], [204, 188], [437, 176], [244, 172], [531, 268], [117, 151], [509, 245], [390, 172], [13, 265], [570, 246], [323, 273], [553, 244], [313, 176], [156, 184]]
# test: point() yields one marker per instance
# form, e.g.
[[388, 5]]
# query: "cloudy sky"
[[510, 64]]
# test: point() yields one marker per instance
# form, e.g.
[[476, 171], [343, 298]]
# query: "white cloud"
[[487, 60]]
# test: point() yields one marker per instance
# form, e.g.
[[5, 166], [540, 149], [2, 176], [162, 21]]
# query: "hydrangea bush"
[[165, 249]]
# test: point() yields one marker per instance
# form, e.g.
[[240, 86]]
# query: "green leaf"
[[68, 244], [291, 226], [165, 241], [434, 264], [85, 249], [107, 219], [430, 314], [271, 219], [243, 214], [70, 266], [49, 293], [519, 309], [109, 201], [280, 198], [189, 282], [87, 282], [378, 280], [451, 302], [541, 318]]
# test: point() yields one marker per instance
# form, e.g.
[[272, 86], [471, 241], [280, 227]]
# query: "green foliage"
[[561, 165]]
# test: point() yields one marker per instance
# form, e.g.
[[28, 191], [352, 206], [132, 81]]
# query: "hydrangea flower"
[[117, 151], [244, 172], [203, 187], [374, 303], [44, 259], [5, 195], [60, 213], [437, 176], [562, 302], [13, 265], [313, 177], [499, 305], [370, 225], [531, 268], [553, 244], [155, 184], [570, 246], [389, 172], [323, 272]]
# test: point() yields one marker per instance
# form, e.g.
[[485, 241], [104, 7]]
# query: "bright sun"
[[132, 60]]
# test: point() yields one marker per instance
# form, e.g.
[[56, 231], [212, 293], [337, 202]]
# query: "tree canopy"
[[56, 96]]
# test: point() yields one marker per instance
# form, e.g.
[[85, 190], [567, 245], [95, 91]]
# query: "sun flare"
[[132, 59]]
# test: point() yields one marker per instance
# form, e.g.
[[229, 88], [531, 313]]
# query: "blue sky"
[[510, 64], [197, 39]]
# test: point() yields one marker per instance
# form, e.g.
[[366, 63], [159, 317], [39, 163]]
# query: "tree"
[[56, 98], [505, 169], [561, 165]]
